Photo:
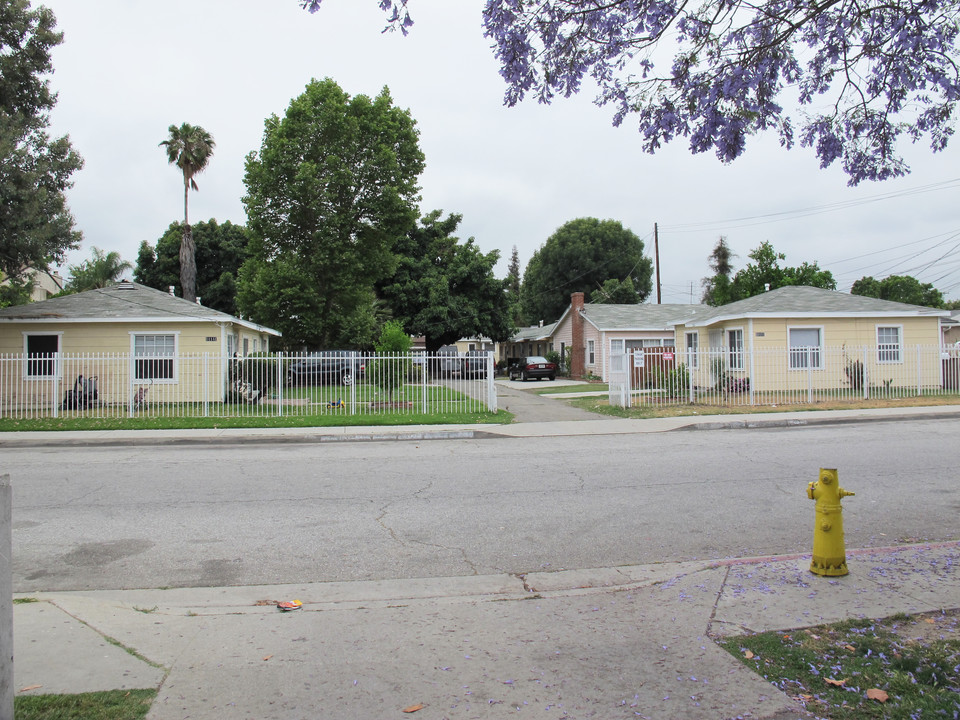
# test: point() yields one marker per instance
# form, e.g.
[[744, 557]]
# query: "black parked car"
[[474, 364], [532, 367], [329, 367]]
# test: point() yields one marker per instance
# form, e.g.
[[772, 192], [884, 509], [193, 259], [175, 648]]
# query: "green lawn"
[[863, 669], [112, 705], [311, 406]]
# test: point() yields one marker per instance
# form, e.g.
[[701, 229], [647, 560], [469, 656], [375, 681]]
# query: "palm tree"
[[189, 147], [104, 269]]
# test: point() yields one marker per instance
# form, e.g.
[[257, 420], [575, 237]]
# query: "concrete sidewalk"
[[606, 643], [604, 426]]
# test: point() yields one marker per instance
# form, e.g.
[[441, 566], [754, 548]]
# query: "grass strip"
[[900, 667], [179, 423], [109, 705]]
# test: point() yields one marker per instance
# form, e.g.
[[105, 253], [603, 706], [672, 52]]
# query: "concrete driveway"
[[521, 399]]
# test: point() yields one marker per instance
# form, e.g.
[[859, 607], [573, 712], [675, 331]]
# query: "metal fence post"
[[279, 385], [423, 381], [206, 384], [354, 359], [491, 385], [56, 385], [866, 377]]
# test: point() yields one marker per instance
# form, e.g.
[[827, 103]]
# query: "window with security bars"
[[805, 349], [153, 357], [42, 355], [889, 346], [735, 349], [693, 348]]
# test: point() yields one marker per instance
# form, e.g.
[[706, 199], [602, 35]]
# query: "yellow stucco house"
[[127, 336], [804, 337]]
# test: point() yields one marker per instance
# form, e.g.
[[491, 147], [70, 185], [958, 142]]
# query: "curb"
[[239, 439], [802, 422]]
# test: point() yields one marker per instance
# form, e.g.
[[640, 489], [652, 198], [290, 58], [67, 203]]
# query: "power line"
[[751, 220]]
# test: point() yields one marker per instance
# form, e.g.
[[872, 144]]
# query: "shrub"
[[855, 374], [391, 372]]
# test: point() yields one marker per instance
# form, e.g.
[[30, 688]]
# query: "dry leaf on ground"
[[413, 708], [836, 683], [877, 694], [748, 655]]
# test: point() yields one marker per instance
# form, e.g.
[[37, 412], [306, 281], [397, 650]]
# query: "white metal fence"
[[210, 385], [794, 376]]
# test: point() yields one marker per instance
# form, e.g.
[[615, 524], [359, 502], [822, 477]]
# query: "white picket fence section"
[[795, 376], [210, 385]]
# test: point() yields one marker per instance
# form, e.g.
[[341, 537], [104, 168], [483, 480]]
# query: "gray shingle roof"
[[803, 300], [123, 301], [640, 317], [533, 332]]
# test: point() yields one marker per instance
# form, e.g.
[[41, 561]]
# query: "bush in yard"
[[554, 357], [250, 377], [391, 371], [855, 374], [676, 381]]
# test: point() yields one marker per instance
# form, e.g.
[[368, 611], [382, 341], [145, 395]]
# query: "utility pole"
[[656, 253]]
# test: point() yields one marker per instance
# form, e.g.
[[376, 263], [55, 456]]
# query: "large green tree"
[[580, 257], [899, 288], [444, 289], [221, 249], [36, 227], [189, 147], [765, 273], [615, 292], [334, 186], [101, 270]]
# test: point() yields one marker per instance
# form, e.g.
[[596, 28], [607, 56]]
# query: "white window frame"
[[617, 359], [885, 351], [27, 362], [815, 357], [591, 353], [134, 357], [692, 341], [735, 351]]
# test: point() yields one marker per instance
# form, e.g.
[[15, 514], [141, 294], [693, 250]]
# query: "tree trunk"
[[188, 265], [188, 252]]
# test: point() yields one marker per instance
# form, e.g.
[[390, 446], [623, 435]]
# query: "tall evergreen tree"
[[716, 289]]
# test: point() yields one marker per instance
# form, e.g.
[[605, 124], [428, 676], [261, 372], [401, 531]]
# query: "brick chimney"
[[578, 347]]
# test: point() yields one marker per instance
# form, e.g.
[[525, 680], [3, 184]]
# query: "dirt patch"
[[928, 627]]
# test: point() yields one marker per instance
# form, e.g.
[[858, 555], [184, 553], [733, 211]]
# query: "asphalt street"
[[219, 515]]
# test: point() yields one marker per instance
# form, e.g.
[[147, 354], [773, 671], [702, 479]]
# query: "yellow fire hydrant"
[[829, 553]]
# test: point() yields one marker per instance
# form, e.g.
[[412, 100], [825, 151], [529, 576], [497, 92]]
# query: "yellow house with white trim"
[[127, 335], [800, 323]]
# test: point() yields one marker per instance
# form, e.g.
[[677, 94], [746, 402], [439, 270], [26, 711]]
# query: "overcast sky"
[[128, 69]]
